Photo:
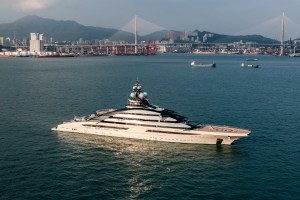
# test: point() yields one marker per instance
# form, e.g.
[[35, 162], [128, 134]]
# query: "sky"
[[231, 17]]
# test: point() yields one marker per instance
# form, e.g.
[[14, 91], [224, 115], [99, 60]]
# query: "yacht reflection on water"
[[143, 165]]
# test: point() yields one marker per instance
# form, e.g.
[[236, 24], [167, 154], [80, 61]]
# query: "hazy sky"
[[221, 16]]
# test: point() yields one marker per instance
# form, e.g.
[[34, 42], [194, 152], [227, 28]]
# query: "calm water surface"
[[37, 94]]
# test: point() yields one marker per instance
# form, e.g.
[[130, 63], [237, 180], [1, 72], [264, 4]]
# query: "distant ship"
[[199, 64], [198, 51], [5, 56], [55, 56], [141, 120]]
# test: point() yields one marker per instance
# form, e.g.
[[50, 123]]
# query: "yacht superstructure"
[[141, 120]]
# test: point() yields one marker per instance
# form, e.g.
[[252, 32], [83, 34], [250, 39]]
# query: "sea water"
[[38, 94]]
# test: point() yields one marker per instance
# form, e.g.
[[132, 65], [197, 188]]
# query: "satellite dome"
[[132, 94], [139, 87], [141, 95], [145, 94], [134, 87]]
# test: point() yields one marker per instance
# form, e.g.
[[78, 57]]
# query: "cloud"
[[32, 5]]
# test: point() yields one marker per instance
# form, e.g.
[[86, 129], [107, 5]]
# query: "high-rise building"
[[1, 40], [26, 41], [184, 36], [7, 41], [206, 36], [36, 42]]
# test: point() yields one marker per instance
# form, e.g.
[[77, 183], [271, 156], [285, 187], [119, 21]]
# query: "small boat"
[[295, 55], [252, 59], [249, 63], [245, 65], [195, 64]]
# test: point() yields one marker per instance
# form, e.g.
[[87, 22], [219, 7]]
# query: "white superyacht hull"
[[144, 121], [152, 133]]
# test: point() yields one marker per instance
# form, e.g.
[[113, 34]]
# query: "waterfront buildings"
[[186, 42]]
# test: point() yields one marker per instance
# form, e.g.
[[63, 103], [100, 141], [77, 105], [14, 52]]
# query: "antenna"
[[14, 40], [135, 36], [282, 36]]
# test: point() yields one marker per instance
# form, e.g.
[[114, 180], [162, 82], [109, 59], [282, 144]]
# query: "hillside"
[[244, 38], [60, 30]]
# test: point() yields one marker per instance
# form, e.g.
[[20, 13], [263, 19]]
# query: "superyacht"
[[141, 120]]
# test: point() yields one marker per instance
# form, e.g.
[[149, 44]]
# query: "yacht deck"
[[225, 129]]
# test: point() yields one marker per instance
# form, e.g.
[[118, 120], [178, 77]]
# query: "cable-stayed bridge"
[[139, 26]]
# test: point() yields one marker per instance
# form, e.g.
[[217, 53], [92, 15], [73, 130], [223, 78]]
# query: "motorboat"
[[249, 65]]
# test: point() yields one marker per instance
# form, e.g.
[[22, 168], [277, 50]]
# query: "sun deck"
[[225, 129]]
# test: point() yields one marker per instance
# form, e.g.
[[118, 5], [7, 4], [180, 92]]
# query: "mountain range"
[[71, 31]]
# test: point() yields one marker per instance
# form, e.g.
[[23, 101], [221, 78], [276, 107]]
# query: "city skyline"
[[233, 17]]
